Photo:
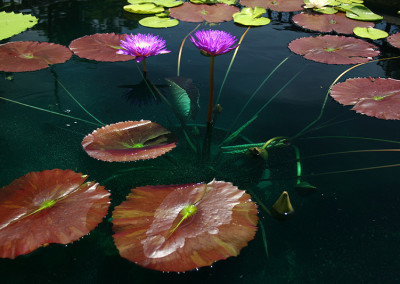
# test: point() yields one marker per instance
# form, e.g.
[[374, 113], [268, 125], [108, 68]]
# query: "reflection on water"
[[346, 232]]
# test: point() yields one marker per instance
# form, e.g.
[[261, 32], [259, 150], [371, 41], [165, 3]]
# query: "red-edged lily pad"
[[182, 227], [275, 5], [328, 23], [21, 56], [394, 40], [377, 97], [129, 141], [334, 49], [100, 47], [189, 12], [52, 206]]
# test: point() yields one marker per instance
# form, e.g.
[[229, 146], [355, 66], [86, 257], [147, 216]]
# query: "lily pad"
[[334, 49], [377, 97], [189, 12], [129, 141], [394, 40], [100, 47], [329, 23], [360, 12], [158, 22], [20, 56], [275, 5], [52, 206], [251, 17], [182, 227], [370, 33], [12, 24], [145, 8], [163, 3]]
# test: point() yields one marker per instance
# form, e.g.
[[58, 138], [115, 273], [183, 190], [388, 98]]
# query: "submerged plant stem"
[[211, 92], [52, 112]]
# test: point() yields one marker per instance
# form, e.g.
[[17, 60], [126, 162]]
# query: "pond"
[[345, 231]]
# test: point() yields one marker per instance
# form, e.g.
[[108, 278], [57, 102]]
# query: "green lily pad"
[[360, 12], [134, 2], [251, 17], [351, 1], [370, 33], [12, 24], [204, 1], [326, 10], [146, 8], [158, 22]]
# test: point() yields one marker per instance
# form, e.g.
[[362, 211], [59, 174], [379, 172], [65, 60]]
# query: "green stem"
[[76, 101], [351, 137], [231, 63], [181, 48], [347, 152], [211, 92], [52, 112], [264, 236]]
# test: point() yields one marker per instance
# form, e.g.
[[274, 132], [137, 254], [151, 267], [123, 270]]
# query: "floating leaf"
[[370, 33], [163, 3], [251, 17], [185, 96], [189, 12], [329, 23], [145, 8], [326, 11], [182, 227], [334, 49], [275, 5], [12, 24], [360, 12], [394, 40], [158, 22], [52, 206], [377, 97], [20, 56], [129, 141], [100, 47]]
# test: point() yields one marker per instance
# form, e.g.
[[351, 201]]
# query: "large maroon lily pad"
[[334, 49], [328, 23], [129, 141], [394, 40], [52, 206], [21, 56], [275, 5], [377, 97], [150, 228], [216, 13], [100, 47]]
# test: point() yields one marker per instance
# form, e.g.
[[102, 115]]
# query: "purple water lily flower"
[[142, 46], [213, 42]]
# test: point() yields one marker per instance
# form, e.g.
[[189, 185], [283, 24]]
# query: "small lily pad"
[[394, 40], [360, 12], [370, 33], [327, 10], [251, 17], [12, 24], [146, 8], [158, 22]]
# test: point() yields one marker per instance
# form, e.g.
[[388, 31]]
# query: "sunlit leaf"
[[360, 12], [370, 33], [251, 17], [12, 24], [146, 8], [158, 22], [327, 10]]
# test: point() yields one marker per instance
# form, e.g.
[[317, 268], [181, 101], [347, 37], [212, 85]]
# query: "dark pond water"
[[346, 232]]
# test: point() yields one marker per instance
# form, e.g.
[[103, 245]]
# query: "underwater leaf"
[[329, 23], [251, 17], [129, 141], [334, 49], [275, 5], [100, 47], [52, 206], [360, 12], [370, 33], [158, 22], [145, 8], [216, 13], [394, 40], [377, 97], [12, 24], [182, 227], [185, 96], [21, 56]]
